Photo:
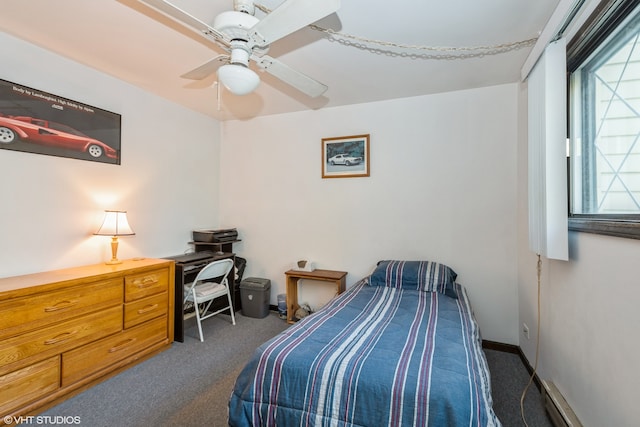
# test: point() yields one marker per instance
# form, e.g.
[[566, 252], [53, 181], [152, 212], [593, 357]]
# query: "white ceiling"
[[132, 42]]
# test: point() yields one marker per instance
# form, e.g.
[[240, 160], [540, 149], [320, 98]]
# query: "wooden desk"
[[337, 278]]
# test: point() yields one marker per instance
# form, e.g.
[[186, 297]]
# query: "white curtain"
[[547, 86]]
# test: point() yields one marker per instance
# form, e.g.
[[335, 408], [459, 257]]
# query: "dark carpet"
[[509, 377], [190, 383]]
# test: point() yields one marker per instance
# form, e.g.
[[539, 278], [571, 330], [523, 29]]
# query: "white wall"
[[50, 206], [442, 187], [589, 320]]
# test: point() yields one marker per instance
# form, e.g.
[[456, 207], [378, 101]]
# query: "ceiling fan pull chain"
[[218, 94]]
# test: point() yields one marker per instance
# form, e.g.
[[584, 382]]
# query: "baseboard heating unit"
[[557, 407]]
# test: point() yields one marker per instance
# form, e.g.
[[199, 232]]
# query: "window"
[[604, 128]]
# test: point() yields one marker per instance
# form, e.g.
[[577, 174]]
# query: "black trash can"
[[255, 294]]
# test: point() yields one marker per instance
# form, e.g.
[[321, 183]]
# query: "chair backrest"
[[220, 268], [241, 263]]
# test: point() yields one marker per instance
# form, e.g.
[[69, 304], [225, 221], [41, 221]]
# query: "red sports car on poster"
[[44, 132]]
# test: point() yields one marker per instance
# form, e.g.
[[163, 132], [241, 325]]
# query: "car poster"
[[38, 122], [345, 156]]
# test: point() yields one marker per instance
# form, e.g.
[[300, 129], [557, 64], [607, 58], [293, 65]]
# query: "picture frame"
[[39, 122], [345, 156]]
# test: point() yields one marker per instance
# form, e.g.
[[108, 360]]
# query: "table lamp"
[[115, 224]]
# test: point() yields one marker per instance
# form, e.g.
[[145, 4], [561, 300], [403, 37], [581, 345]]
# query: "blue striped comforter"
[[374, 356]]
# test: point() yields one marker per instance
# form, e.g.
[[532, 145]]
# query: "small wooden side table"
[[337, 278]]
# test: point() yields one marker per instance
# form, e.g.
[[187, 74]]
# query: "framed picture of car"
[[345, 156], [38, 122]]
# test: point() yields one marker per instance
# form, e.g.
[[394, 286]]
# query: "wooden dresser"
[[63, 331]]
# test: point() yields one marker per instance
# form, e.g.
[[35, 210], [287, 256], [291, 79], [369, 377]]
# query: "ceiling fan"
[[247, 38]]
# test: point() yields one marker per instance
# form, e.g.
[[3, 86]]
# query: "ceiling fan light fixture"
[[238, 79]]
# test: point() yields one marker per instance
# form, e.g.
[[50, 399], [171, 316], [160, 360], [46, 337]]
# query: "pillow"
[[420, 275]]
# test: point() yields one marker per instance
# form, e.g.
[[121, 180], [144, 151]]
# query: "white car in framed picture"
[[345, 159]]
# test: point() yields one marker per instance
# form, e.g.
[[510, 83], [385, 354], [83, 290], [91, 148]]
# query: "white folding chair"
[[203, 291]]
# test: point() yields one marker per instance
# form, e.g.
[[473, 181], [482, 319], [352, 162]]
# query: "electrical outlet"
[[525, 330]]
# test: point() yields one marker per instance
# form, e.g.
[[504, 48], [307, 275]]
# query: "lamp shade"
[[239, 79], [115, 224]]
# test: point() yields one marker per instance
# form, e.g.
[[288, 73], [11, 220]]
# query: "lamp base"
[[114, 252]]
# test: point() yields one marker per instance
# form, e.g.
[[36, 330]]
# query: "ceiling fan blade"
[[302, 82], [186, 19], [206, 69], [290, 16]]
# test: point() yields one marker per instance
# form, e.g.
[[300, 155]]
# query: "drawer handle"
[[146, 282], [62, 305], [148, 308], [121, 346], [60, 338]]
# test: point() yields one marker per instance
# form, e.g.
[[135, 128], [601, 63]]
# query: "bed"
[[400, 347]]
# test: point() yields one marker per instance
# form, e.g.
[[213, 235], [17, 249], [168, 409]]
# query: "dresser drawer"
[[141, 285], [32, 312], [18, 351], [145, 309], [84, 361], [28, 384]]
